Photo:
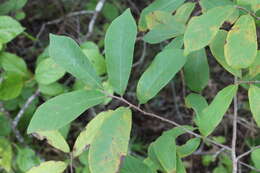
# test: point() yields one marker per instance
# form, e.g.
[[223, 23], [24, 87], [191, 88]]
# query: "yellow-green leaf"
[[254, 69], [241, 44], [158, 5], [202, 29], [86, 137], [217, 49], [55, 139], [254, 101], [49, 167], [110, 144]]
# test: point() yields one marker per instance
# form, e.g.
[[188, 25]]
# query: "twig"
[[16, 131], [92, 22], [168, 121], [248, 152], [25, 106], [234, 136], [140, 61], [248, 11], [56, 21]]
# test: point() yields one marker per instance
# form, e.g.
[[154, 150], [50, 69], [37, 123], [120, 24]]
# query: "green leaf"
[[119, 48], [26, 159], [255, 156], [164, 31], [180, 166], [6, 154], [158, 5], [217, 49], [197, 103], [5, 125], [96, 59], [61, 110], [254, 102], [110, 11], [201, 30], [183, 13], [252, 5], [212, 115], [9, 29], [177, 131], [241, 43], [69, 56], [55, 139], [209, 4], [163, 68], [176, 43], [197, 63], [48, 72], [11, 86], [165, 150], [11, 5], [12, 63], [188, 148], [86, 136], [52, 89], [49, 166], [134, 165], [111, 142], [254, 69]]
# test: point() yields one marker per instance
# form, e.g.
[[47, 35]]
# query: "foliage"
[[103, 145]]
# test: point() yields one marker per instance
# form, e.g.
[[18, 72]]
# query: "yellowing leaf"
[[217, 49], [86, 137], [158, 5], [202, 29], [55, 139], [254, 69], [241, 44], [254, 101], [110, 144], [156, 18], [49, 167]]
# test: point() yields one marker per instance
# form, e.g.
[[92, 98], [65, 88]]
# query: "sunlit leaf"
[[201, 30], [254, 101], [110, 144], [241, 43], [49, 166]]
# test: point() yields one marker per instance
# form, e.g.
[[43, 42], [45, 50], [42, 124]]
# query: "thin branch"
[[16, 131], [248, 11], [168, 121], [140, 61], [248, 82], [92, 22], [234, 136], [248, 152], [23, 109]]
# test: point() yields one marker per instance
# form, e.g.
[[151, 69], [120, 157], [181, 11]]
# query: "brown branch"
[[249, 12], [168, 121]]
